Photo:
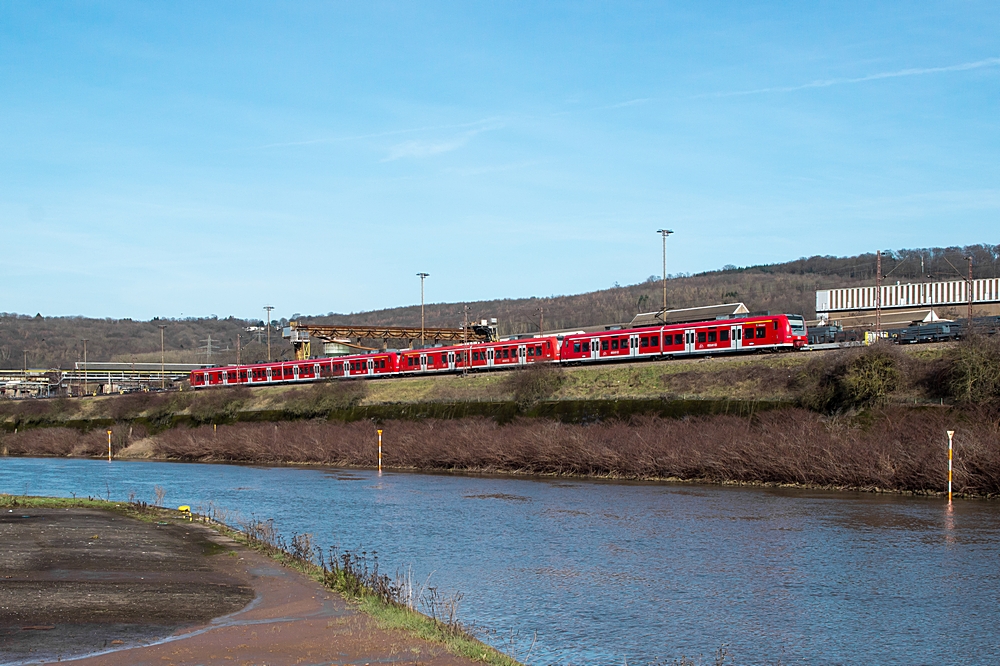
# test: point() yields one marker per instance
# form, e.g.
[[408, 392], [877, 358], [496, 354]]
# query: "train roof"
[[689, 315]]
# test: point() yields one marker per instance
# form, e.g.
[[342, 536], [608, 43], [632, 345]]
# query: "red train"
[[723, 336]]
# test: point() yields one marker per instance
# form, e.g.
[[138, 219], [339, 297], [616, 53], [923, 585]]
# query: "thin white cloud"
[[376, 135], [631, 102], [825, 83], [426, 148]]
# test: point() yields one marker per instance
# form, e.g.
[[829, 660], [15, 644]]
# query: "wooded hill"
[[788, 287]]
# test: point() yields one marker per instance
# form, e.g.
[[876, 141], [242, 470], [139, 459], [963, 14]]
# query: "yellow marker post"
[[379, 451], [951, 434], [185, 510], [109, 446]]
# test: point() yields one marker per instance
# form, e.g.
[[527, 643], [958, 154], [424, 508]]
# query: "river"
[[598, 572]]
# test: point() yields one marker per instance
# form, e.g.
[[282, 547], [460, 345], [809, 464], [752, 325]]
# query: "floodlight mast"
[[664, 233], [422, 277]]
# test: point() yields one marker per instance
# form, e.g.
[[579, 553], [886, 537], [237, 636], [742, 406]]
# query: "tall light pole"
[[664, 233], [969, 287], [422, 277], [268, 325], [86, 385], [163, 379]]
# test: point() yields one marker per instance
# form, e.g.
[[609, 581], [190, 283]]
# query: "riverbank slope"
[[165, 588]]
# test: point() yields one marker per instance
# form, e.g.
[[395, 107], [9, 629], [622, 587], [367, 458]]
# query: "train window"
[[748, 334], [444, 358], [381, 363], [761, 332], [604, 345], [531, 351], [475, 356], [506, 352], [614, 343], [576, 347], [538, 350], [643, 342], [775, 322], [678, 340], [711, 336], [701, 336], [724, 335]]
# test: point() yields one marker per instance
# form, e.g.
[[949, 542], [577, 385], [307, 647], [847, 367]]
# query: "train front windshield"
[[798, 325]]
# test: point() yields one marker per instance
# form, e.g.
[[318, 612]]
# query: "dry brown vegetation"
[[891, 449]]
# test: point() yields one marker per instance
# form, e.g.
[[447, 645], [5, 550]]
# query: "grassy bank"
[[349, 575]]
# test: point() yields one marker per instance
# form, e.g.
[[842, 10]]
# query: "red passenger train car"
[[723, 336]]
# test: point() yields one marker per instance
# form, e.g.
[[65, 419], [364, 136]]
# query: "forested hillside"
[[787, 287]]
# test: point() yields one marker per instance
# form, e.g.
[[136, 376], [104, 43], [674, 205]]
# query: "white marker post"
[[951, 434], [109, 446], [379, 451]]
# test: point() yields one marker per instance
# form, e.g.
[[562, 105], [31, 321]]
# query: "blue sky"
[[186, 159]]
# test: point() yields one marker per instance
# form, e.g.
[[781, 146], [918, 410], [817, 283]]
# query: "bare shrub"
[[323, 398], [219, 403], [56, 442], [851, 379], [975, 370], [533, 383]]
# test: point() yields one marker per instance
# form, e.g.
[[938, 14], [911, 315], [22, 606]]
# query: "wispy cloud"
[[826, 83], [631, 102], [376, 135], [428, 147]]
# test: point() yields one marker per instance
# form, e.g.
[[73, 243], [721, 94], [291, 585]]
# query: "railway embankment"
[[868, 418]]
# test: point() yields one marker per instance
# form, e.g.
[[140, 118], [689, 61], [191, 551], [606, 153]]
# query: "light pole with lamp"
[[86, 385], [267, 324], [664, 233], [163, 379], [422, 276]]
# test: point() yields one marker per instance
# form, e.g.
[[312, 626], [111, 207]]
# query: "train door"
[[489, 357], [295, 372], [689, 340], [451, 360], [736, 337], [595, 347], [225, 377], [633, 343], [370, 366], [347, 368], [423, 362]]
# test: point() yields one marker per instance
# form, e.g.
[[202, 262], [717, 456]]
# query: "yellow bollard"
[[951, 434], [379, 451], [185, 510], [109, 446]]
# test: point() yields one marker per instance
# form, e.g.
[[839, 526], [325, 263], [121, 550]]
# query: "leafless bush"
[[852, 378], [160, 493], [975, 370], [219, 403], [323, 398], [55, 442], [533, 383]]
